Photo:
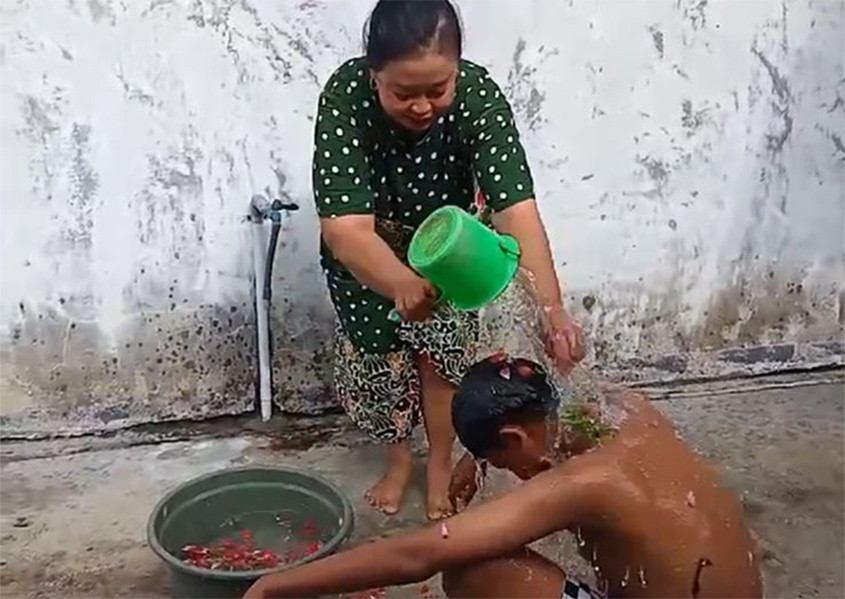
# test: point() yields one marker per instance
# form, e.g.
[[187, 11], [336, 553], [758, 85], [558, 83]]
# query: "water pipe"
[[262, 210]]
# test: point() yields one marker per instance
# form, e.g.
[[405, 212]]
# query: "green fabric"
[[363, 164]]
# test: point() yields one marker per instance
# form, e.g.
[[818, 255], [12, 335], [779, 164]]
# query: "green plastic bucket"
[[469, 263], [260, 499]]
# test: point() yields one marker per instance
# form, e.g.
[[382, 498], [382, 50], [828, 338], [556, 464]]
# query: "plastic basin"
[[468, 262], [273, 503]]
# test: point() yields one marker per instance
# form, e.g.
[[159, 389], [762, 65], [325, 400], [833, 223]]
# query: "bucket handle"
[[509, 245]]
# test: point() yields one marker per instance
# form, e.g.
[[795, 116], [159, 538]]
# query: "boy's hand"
[[257, 590], [463, 486]]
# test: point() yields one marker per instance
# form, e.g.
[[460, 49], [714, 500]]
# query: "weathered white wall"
[[688, 156]]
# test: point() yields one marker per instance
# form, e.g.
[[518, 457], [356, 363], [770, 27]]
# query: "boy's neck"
[[572, 443], [581, 429]]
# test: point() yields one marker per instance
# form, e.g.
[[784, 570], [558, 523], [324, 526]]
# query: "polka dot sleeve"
[[340, 163], [499, 160]]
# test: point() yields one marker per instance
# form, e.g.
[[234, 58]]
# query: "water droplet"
[[529, 573], [643, 582], [505, 373], [603, 585], [624, 582], [480, 475], [579, 538]]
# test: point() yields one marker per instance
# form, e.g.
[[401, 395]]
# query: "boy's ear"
[[513, 436]]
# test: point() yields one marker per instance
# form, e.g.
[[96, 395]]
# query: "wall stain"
[[157, 5], [41, 116], [526, 99], [163, 366], [779, 83], [302, 355], [657, 171], [280, 42], [760, 310], [40, 119], [83, 183], [692, 120], [173, 190], [101, 10], [838, 103], [694, 12], [657, 39], [837, 143], [133, 92]]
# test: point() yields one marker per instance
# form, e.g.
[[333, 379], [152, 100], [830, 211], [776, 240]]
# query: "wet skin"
[[650, 515], [669, 529]]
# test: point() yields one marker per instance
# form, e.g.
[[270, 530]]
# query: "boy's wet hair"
[[496, 392]]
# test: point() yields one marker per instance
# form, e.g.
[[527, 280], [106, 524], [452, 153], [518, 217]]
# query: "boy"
[[648, 514]]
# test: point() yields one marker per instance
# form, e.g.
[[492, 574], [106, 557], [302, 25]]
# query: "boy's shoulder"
[[599, 480]]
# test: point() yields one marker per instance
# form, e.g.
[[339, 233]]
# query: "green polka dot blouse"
[[364, 164]]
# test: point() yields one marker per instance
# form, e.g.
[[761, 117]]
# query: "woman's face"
[[414, 91]]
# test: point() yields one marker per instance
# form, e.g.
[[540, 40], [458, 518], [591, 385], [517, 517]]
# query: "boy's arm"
[[549, 502]]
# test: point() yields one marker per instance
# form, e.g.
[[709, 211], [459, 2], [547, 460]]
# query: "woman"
[[400, 132]]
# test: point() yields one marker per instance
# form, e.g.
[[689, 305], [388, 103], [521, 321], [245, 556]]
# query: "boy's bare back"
[[669, 529]]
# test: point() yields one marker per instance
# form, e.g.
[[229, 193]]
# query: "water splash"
[[515, 325], [552, 448], [529, 571], [480, 475]]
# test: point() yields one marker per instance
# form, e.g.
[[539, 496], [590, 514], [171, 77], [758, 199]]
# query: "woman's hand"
[[564, 340], [414, 298], [464, 485]]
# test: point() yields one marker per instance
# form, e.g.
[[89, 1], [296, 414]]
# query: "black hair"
[[398, 28], [496, 392]]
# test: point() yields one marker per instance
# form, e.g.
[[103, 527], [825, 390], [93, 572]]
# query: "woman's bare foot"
[[438, 476], [386, 495]]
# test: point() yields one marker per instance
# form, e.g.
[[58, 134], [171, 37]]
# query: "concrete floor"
[[73, 525]]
